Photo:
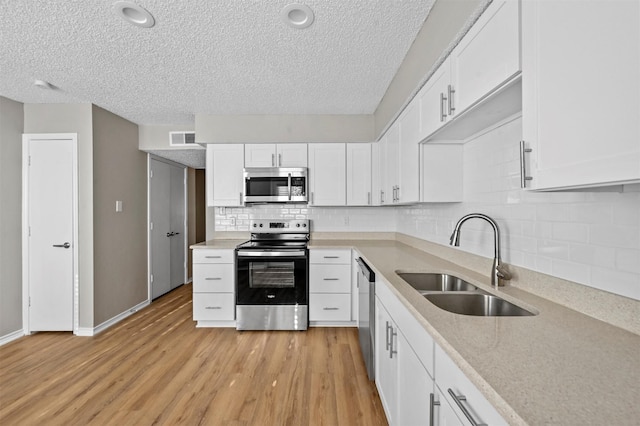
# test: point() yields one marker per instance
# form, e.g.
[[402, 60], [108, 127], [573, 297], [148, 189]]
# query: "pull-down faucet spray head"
[[454, 240]]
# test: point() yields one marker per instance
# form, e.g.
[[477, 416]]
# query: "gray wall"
[[11, 127], [120, 239], [74, 118]]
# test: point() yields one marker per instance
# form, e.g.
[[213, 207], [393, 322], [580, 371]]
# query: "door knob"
[[170, 234], [65, 245]]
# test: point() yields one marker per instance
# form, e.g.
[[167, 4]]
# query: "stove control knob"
[[255, 224], [260, 225], [297, 225], [304, 225]]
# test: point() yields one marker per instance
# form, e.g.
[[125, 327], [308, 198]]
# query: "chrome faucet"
[[498, 271]]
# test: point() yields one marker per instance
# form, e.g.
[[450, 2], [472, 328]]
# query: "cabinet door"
[[327, 174], [433, 106], [392, 145], [414, 386], [359, 174], [581, 62], [376, 178], [488, 55], [441, 173], [409, 155], [224, 174], [260, 155], [383, 171], [291, 155], [443, 414], [385, 363]]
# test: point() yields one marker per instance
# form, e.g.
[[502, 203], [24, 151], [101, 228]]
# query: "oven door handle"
[[257, 253]]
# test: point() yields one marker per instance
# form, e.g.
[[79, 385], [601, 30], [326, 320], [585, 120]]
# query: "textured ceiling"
[[210, 57], [194, 158]]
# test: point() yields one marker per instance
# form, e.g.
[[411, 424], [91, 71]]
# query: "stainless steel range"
[[272, 275]]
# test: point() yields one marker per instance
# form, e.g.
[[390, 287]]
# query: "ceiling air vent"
[[183, 139]]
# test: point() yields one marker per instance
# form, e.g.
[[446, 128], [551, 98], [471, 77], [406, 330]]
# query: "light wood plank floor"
[[155, 367]]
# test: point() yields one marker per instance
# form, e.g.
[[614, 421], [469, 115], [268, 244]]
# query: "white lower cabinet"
[[330, 286], [466, 401], [403, 383], [213, 287], [414, 376]]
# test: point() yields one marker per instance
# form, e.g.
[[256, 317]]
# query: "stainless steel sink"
[[426, 282], [476, 304]]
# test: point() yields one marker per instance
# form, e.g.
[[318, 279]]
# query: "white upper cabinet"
[[581, 93], [408, 190], [488, 55], [376, 191], [275, 155], [476, 86], [390, 156], [433, 100], [224, 165], [359, 191], [327, 174]]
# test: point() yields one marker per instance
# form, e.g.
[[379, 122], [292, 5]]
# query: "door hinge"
[[151, 276], [151, 226], [151, 174]]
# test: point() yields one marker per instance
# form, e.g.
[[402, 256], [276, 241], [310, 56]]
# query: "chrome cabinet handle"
[[458, 400], [451, 91], [369, 198], [387, 334], [391, 350], [213, 279], [240, 198], [212, 257], [398, 193], [381, 197], [331, 279], [273, 160], [523, 169], [65, 245], [432, 404], [213, 307], [280, 160], [330, 309], [311, 197], [331, 257], [443, 114]]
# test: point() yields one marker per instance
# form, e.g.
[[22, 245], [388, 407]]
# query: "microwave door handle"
[[289, 184]]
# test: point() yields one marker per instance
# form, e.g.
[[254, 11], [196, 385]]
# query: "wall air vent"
[[183, 139]]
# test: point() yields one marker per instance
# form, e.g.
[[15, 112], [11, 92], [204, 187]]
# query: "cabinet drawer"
[[214, 278], [329, 307], [450, 377], [213, 306], [330, 256], [212, 256], [329, 278]]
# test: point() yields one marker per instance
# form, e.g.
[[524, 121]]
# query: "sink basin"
[[424, 282], [483, 305]]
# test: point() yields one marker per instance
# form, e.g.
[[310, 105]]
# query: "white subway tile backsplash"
[[592, 238]]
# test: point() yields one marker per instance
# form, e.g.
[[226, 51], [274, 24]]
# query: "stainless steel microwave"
[[275, 185]]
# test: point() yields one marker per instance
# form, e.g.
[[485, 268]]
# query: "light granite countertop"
[[559, 367]]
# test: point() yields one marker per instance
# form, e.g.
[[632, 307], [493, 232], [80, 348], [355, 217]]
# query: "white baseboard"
[[88, 332], [11, 337]]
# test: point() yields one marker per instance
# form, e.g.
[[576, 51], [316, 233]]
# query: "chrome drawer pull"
[[330, 309], [213, 307], [332, 257], [458, 400], [212, 279], [331, 279], [213, 257], [523, 168], [433, 403]]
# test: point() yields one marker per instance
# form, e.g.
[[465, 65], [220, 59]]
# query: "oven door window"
[[272, 275]]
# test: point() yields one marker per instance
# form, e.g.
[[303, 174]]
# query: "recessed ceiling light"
[[43, 84], [297, 15], [133, 14]]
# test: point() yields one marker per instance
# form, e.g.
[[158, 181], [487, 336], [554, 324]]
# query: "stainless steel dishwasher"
[[366, 314]]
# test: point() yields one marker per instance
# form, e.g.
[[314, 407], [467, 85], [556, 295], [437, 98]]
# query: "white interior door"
[[167, 215], [49, 212]]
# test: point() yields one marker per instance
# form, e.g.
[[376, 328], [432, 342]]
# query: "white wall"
[[592, 238], [11, 127]]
